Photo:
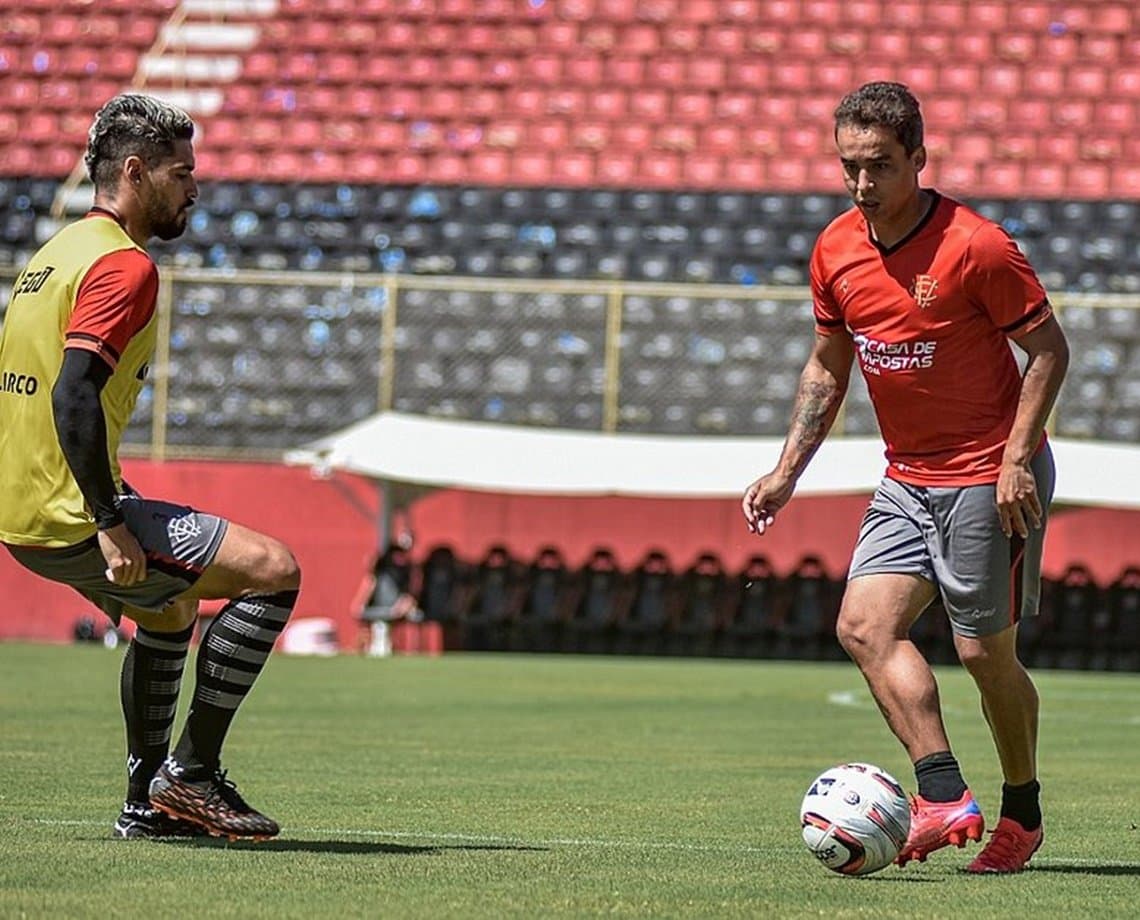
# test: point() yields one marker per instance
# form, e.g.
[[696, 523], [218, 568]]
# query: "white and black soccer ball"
[[855, 818]]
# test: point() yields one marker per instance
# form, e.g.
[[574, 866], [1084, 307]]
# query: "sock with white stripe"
[[232, 654], [148, 691]]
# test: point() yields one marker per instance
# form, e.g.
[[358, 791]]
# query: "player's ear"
[[918, 158], [133, 169]]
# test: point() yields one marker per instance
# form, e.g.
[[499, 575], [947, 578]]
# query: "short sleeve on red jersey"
[[116, 299], [1000, 279], [828, 317]]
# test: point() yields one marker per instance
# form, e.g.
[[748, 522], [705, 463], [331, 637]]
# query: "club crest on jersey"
[[924, 290]]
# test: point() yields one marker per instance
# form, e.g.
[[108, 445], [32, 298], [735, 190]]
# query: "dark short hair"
[[890, 105], [132, 124]]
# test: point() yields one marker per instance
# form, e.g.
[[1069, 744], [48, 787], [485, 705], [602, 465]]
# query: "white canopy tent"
[[416, 451]]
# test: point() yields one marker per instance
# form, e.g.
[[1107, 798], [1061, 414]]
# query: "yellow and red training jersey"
[[90, 286], [930, 318]]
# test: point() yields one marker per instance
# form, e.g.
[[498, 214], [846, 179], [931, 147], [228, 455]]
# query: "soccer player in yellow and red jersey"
[[78, 334], [926, 294]]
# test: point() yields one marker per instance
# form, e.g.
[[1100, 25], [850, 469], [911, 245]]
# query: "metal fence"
[[253, 363]]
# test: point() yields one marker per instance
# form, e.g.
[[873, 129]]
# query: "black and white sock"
[[148, 690], [233, 652]]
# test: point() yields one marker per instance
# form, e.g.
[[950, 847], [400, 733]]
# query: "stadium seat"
[[601, 597]]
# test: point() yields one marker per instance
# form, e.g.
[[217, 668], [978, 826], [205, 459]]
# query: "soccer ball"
[[855, 818]]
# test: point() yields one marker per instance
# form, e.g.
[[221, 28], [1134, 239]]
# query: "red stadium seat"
[[1072, 113], [1057, 147], [649, 104], [633, 136], [724, 40], [1100, 146], [551, 134], [973, 47], [544, 68], [732, 106], [1015, 46], [624, 70], [720, 137], [601, 37], [679, 137], [1029, 113], [610, 104], [366, 166], [1087, 180], [1117, 115], [999, 176], [572, 102], [1011, 145], [408, 168], [1089, 80], [530, 167], [746, 173], [787, 175], [1124, 179], [681, 37], [617, 10], [761, 139], [572, 168], [659, 170], [695, 107], [987, 112], [616, 168], [447, 167], [793, 76], [1032, 16], [585, 70], [1113, 18], [491, 167], [590, 135]]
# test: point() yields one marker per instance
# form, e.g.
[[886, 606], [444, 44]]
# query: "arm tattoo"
[[812, 415]]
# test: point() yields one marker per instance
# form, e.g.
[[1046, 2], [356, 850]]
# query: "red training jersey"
[[930, 317]]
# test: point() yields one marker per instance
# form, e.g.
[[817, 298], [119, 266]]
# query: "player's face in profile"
[[881, 178], [172, 192]]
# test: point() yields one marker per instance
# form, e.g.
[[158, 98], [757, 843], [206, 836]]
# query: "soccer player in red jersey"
[[926, 294]]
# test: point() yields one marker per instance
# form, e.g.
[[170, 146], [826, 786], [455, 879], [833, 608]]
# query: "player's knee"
[[279, 568], [853, 633]]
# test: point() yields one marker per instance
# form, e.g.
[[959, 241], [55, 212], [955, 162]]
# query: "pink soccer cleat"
[[934, 825], [1010, 848]]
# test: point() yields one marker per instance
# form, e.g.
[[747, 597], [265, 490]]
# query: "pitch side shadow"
[[338, 846]]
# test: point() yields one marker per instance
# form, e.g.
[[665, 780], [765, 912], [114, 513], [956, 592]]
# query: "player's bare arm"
[[823, 384], [1019, 505]]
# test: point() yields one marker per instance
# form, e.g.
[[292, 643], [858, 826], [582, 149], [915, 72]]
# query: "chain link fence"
[[255, 363]]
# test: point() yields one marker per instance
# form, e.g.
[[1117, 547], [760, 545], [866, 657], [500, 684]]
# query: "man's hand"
[[764, 498], [126, 561], [1018, 504]]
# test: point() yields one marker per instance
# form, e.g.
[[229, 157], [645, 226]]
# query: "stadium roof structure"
[[429, 453]]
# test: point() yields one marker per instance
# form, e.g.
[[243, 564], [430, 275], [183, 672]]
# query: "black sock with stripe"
[[939, 777], [234, 649], [148, 690]]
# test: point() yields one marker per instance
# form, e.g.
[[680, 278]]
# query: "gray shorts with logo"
[[179, 543], [952, 537]]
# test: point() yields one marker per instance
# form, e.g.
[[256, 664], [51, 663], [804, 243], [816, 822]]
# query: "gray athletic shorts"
[[179, 543], [952, 537]]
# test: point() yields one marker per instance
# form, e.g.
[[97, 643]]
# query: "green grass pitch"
[[532, 787]]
